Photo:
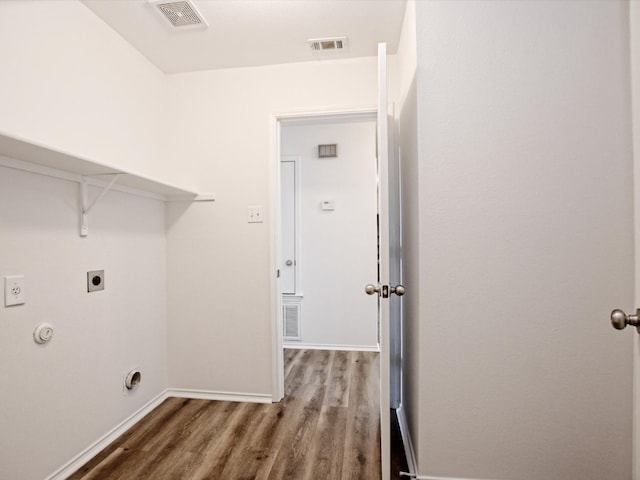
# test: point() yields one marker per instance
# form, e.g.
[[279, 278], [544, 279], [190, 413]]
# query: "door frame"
[[275, 226]]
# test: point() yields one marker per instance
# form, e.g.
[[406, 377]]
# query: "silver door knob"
[[288, 263], [620, 320], [398, 290], [371, 289]]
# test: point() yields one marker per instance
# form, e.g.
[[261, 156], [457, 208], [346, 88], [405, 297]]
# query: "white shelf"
[[51, 158], [31, 157]]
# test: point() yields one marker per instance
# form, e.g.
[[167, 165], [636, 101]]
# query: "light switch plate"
[[255, 214], [14, 290]]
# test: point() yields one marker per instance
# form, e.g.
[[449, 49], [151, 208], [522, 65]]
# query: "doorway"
[[380, 269], [329, 248], [328, 251]]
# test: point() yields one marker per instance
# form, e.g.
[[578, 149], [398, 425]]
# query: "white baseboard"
[[427, 477], [329, 346], [92, 450], [224, 396]]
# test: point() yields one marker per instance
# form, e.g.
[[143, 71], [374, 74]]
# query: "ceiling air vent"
[[181, 15], [336, 44]]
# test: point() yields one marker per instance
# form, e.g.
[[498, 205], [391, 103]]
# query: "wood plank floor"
[[326, 427]]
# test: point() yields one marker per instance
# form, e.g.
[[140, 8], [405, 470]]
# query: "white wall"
[[219, 271], [70, 82], [525, 239], [338, 249], [59, 398]]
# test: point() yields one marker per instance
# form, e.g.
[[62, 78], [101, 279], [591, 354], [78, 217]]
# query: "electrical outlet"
[[14, 290], [95, 280], [254, 214]]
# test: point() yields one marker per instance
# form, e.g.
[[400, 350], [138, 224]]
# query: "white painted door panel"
[[385, 257]]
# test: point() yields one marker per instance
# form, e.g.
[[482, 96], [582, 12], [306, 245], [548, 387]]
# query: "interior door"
[[383, 287]]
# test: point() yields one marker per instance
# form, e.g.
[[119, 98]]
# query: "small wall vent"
[[336, 44], [291, 321], [328, 151], [181, 15]]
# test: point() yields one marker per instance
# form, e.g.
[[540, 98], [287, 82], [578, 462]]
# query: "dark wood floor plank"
[[362, 442], [212, 423], [242, 444], [339, 378], [327, 449], [290, 461], [320, 367], [291, 359], [174, 426], [265, 442], [169, 463], [236, 427]]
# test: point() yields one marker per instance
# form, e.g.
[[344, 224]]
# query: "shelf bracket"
[[86, 206]]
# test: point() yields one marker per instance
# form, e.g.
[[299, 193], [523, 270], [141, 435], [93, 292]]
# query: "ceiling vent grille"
[[336, 44], [181, 15]]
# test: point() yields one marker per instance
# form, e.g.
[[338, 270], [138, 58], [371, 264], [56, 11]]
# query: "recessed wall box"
[[95, 280]]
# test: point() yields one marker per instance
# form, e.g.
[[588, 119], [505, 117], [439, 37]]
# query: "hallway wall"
[[338, 248]]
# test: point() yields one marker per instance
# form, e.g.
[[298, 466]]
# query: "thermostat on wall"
[[328, 205]]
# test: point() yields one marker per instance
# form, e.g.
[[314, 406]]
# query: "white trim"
[[96, 447], [222, 396], [331, 346], [326, 112], [409, 451], [297, 298], [275, 260]]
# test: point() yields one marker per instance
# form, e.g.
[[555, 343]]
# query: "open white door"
[[384, 288]]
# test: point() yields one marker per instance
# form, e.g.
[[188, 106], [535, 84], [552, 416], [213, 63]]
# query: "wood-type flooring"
[[326, 428]]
